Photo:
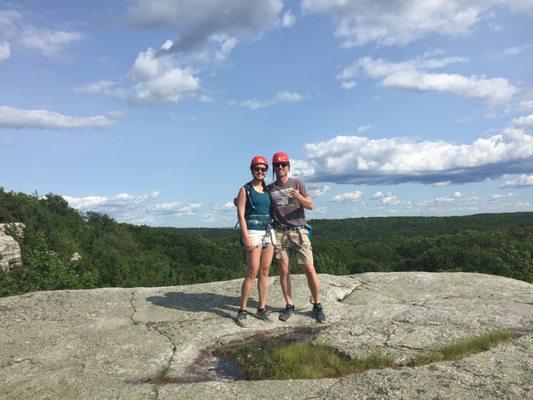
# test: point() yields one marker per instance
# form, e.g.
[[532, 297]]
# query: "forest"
[[115, 254]]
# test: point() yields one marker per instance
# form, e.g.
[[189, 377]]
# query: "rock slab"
[[9, 248], [133, 343]]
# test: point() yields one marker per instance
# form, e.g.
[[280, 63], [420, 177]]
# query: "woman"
[[253, 211]]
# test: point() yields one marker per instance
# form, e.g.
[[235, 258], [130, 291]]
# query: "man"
[[289, 201]]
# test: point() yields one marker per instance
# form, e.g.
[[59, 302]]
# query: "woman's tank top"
[[258, 215]]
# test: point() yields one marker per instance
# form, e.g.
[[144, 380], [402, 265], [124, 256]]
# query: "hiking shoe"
[[286, 314], [264, 314], [241, 319], [318, 313]]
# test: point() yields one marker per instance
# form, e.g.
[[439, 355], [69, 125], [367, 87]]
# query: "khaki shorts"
[[294, 241]]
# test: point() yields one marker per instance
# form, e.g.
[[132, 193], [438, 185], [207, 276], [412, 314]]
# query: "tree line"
[[123, 255]]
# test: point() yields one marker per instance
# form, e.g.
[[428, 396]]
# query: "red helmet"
[[280, 157], [259, 160]]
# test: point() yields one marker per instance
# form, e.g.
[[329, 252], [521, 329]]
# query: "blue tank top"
[[258, 216]]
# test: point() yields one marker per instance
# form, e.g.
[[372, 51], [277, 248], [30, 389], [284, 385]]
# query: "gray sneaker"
[[318, 313], [241, 319], [286, 314], [264, 314]]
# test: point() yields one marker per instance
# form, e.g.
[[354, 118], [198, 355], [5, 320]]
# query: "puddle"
[[212, 365]]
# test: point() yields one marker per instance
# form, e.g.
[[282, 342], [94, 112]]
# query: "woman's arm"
[[241, 208]]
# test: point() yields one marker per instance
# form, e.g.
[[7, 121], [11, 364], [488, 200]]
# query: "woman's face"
[[259, 171]]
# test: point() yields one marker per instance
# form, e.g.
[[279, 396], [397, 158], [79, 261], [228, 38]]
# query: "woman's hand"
[[248, 244]]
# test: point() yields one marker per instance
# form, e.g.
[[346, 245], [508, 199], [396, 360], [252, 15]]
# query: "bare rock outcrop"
[[139, 343], [9, 248]]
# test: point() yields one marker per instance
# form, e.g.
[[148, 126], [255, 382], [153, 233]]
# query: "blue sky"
[[150, 111]]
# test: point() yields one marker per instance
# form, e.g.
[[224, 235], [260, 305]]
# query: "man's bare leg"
[[312, 282], [285, 280]]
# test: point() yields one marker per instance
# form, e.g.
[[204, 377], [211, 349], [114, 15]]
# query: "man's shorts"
[[262, 238], [295, 241]]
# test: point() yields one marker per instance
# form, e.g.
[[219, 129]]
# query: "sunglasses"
[[260, 169], [280, 165]]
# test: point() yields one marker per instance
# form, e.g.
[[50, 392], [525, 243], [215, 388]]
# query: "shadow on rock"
[[224, 306]]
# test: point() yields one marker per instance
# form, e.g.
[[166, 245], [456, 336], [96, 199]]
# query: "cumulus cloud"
[[399, 22], [525, 180], [385, 198], [318, 189], [198, 24], [414, 75], [5, 51], [157, 79], [137, 209], [281, 97], [360, 160], [351, 197], [449, 199], [524, 122], [177, 209], [17, 118], [51, 43]]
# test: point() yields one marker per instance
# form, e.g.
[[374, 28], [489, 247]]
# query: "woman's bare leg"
[[264, 269], [253, 260]]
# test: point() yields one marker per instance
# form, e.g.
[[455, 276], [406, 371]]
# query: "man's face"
[[281, 169]]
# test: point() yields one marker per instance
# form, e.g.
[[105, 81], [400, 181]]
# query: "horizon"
[[150, 111]]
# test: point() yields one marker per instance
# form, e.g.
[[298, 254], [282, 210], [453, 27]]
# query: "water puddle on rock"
[[212, 365]]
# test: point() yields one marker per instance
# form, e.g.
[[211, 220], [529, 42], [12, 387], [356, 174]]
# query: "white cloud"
[[413, 75], [198, 23], [318, 189], [288, 19], [177, 209], [449, 199], [352, 197], [348, 85], [524, 122], [525, 104], [138, 209], [281, 97], [364, 128], [5, 51], [508, 52], [49, 42], [463, 120], [86, 203], [226, 207], [399, 22], [157, 79], [105, 87], [523, 181], [11, 117], [385, 198], [360, 160]]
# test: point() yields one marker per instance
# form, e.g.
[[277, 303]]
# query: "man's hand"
[[296, 195]]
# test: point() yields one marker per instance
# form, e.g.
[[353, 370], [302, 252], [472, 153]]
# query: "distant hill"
[[380, 227], [112, 254]]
